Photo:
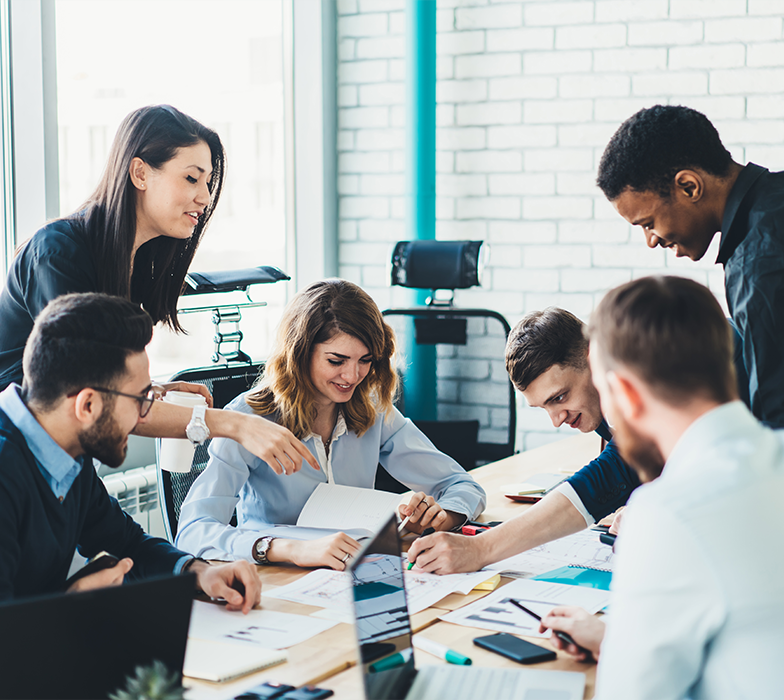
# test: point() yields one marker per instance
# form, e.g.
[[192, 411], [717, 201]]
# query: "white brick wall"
[[529, 92]]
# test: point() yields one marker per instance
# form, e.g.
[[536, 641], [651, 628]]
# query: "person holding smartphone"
[[86, 387], [697, 606]]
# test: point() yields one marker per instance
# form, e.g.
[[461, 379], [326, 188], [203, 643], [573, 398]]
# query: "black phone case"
[[308, 693], [265, 691], [514, 648]]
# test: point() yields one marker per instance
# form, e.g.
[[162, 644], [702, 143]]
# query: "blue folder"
[[578, 576]]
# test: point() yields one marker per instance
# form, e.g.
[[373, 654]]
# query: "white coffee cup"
[[176, 454]]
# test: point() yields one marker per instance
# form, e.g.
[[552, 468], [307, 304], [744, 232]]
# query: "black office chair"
[[225, 381], [475, 413]]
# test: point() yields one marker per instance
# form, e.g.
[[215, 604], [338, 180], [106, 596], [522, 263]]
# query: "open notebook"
[[218, 662], [334, 508]]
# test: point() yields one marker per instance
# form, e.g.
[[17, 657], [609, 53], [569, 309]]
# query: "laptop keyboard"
[[470, 683]]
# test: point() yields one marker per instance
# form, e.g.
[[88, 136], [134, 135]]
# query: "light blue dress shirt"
[[57, 467], [236, 478], [698, 583]]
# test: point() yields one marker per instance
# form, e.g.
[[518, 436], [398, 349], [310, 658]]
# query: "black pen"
[[561, 635]]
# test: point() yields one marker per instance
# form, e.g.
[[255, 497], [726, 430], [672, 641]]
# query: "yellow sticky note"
[[490, 585]]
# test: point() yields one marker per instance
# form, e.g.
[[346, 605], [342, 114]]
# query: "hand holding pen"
[[565, 641], [422, 512]]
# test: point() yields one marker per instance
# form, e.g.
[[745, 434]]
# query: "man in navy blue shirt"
[[547, 361], [666, 170], [86, 387]]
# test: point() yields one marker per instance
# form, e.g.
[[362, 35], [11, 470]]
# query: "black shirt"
[[752, 252], [57, 260]]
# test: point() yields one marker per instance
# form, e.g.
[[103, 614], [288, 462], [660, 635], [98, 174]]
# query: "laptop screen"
[[383, 626]]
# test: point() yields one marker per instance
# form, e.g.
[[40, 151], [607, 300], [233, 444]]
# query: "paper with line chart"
[[581, 549], [330, 589], [495, 612]]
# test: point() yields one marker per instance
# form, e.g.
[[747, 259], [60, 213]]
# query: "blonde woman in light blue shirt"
[[331, 381]]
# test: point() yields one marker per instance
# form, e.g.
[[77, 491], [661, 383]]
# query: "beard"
[[105, 440], [639, 451]]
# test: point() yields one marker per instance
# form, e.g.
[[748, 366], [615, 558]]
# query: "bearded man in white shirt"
[[698, 589]]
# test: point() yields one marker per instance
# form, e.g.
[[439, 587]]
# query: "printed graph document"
[[581, 549], [495, 612], [329, 589], [348, 508], [264, 628]]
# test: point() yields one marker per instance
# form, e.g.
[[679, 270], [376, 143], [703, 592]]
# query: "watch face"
[[197, 431]]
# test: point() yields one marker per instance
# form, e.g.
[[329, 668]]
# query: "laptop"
[[83, 645], [386, 654]]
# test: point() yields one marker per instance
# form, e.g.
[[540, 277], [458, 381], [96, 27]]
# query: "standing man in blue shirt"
[[547, 361], [86, 387], [666, 170]]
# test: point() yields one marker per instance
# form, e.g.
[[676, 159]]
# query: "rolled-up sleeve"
[[605, 484]]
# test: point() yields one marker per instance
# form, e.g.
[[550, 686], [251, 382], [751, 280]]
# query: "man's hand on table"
[[237, 583], [586, 629]]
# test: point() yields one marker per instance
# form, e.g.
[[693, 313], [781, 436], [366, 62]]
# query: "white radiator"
[[137, 492]]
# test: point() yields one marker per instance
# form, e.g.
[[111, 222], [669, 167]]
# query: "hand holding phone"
[[86, 578], [515, 648]]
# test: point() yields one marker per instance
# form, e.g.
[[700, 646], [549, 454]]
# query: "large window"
[[218, 62], [6, 166]]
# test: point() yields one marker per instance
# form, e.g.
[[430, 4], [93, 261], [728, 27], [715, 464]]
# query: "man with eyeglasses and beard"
[[86, 387], [697, 607]]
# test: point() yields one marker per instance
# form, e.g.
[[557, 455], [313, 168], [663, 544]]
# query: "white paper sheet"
[[495, 612], [580, 549], [265, 628], [331, 589], [347, 508]]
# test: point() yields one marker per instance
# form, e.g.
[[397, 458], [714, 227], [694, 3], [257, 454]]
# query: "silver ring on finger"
[[346, 558]]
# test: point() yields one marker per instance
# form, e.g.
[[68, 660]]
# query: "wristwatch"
[[197, 431], [261, 549]]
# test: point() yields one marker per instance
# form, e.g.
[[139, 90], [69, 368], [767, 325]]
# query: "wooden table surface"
[[329, 659]]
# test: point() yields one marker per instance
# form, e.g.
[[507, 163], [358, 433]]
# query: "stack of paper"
[[581, 549]]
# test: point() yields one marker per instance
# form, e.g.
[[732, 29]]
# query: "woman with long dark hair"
[[330, 379], [135, 237]]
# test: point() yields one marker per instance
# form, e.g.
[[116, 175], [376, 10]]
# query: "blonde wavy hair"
[[315, 315]]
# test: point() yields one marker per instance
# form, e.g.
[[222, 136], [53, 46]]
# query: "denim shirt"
[[752, 252], [236, 478]]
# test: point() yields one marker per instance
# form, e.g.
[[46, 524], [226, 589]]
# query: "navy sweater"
[[38, 534]]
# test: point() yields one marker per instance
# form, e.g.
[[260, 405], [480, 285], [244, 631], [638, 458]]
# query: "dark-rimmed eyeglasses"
[[145, 400]]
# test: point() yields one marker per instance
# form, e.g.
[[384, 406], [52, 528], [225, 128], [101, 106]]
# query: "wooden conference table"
[[329, 659]]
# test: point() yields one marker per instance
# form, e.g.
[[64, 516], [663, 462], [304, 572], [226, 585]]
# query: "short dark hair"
[[672, 333], [654, 144], [543, 339], [81, 340]]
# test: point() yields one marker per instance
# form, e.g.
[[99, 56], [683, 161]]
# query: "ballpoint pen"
[[402, 525], [561, 635]]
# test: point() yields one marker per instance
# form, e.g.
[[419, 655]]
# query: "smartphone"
[[515, 648], [308, 692], [265, 691], [101, 561]]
